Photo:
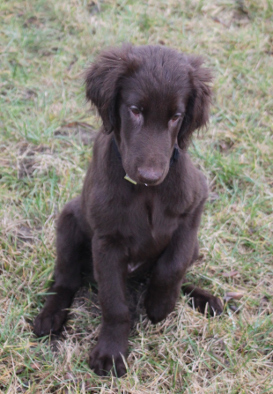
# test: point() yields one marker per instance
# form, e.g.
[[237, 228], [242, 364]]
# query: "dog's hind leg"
[[73, 258], [202, 299]]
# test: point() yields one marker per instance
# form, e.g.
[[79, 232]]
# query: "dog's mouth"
[[141, 183], [152, 183], [144, 174], [147, 178], [151, 175]]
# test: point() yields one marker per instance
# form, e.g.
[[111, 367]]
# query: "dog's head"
[[150, 97]]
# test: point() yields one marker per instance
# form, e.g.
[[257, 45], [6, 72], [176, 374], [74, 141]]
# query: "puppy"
[[142, 198]]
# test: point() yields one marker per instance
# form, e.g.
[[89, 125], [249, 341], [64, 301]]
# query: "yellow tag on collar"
[[130, 179]]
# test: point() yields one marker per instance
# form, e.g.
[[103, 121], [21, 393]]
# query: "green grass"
[[44, 49]]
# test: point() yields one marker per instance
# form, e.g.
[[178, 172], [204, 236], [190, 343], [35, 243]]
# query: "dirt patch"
[[241, 15], [213, 196], [94, 8], [29, 94], [224, 145], [33, 21], [24, 236], [26, 167], [27, 161], [84, 132]]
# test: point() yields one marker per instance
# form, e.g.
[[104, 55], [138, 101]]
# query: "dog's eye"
[[175, 117], [135, 110]]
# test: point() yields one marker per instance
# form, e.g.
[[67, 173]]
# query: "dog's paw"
[[48, 322], [158, 305], [102, 361]]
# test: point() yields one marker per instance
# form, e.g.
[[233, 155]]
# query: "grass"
[[45, 148]]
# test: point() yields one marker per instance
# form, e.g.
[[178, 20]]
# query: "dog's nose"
[[149, 175]]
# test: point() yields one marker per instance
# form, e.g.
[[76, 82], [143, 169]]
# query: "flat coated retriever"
[[142, 198]]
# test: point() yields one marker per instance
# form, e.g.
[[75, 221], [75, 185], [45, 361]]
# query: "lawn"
[[46, 135]]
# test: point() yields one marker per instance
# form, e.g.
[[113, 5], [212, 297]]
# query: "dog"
[[142, 198]]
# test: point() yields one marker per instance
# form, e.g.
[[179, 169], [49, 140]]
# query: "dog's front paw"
[[49, 322], [102, 360], [159, 304]]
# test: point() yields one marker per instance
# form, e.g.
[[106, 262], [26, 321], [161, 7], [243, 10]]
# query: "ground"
[[46, 134]]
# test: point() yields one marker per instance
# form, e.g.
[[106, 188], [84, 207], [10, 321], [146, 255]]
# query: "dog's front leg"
[[171, 267], [110, 269]]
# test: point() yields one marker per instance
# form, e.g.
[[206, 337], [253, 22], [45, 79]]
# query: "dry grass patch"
[[45, 146]]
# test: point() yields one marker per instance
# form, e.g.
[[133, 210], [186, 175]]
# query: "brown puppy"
[[150, 99]]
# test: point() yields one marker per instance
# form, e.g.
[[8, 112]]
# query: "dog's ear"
[[103, 80], [197, 110]]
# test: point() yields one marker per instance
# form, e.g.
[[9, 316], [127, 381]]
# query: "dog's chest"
[[143, 219], [151, 224]]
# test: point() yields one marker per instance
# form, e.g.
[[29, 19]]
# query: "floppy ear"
[[102, 81], [197, 110]]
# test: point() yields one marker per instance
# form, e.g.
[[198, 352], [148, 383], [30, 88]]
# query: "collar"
[[175, 155], [173, 159]]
